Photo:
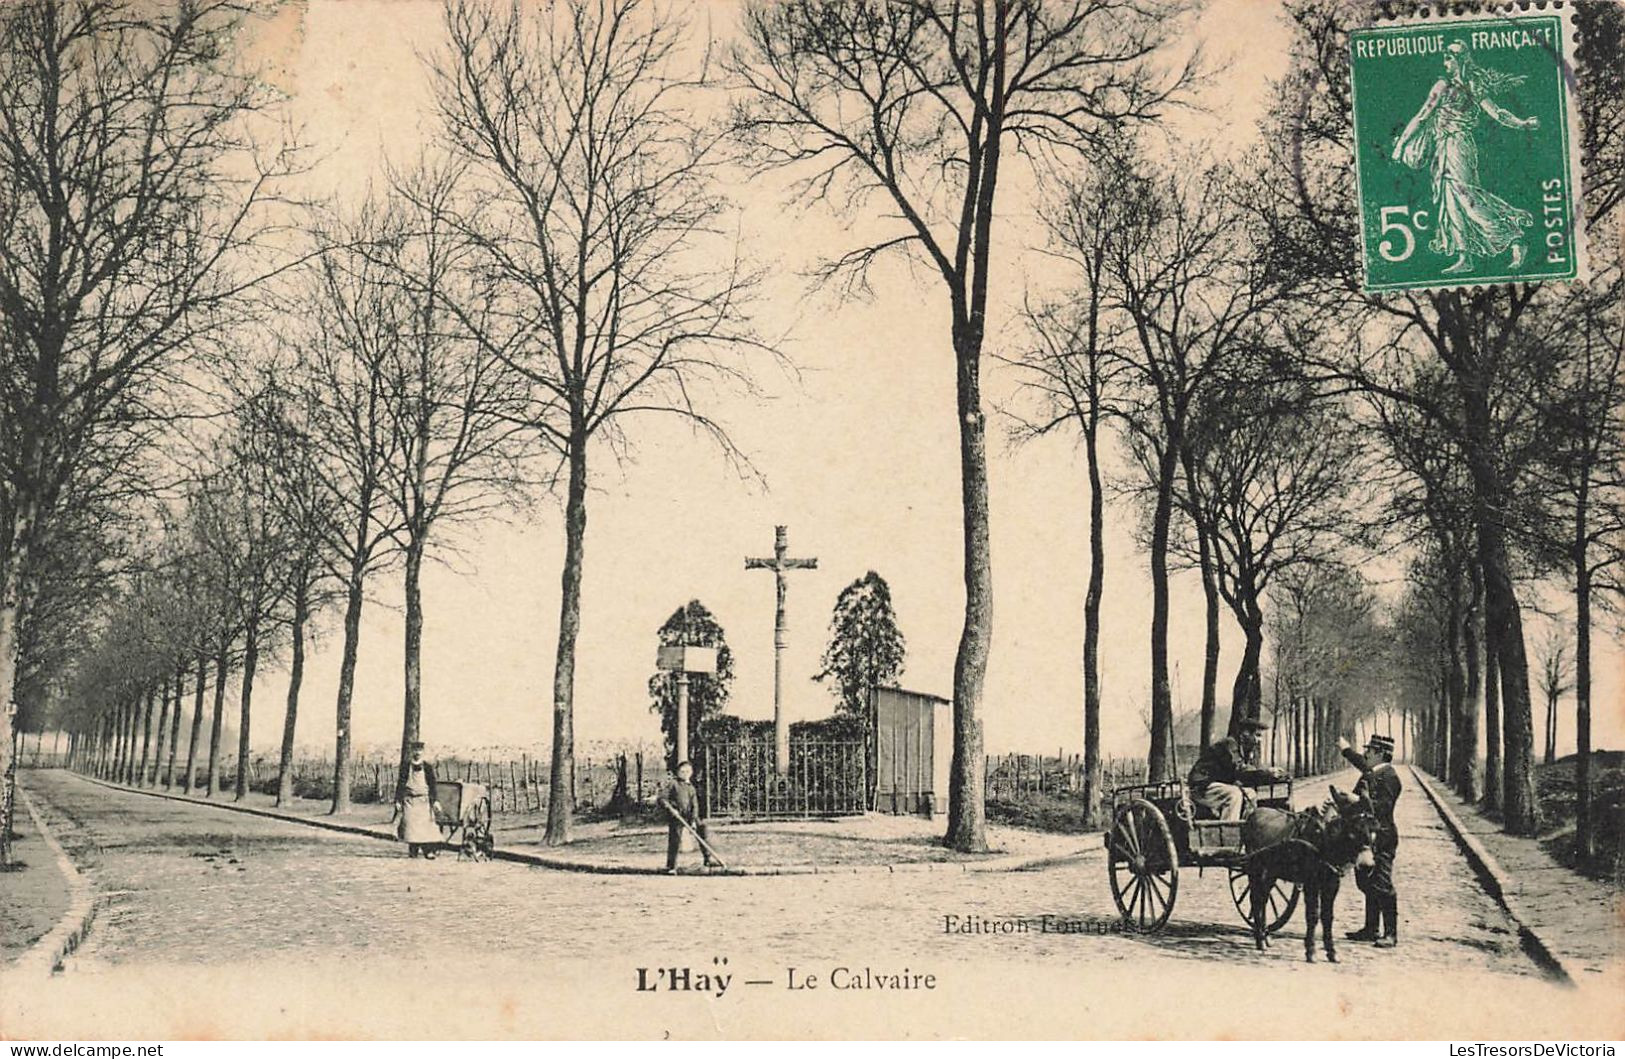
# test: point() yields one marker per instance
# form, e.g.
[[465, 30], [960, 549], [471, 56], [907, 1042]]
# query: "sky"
[[856, 453]]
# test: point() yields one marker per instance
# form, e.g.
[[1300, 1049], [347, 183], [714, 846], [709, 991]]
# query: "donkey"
[[1311, 848]]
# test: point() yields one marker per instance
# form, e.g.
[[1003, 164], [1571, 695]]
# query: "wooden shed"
[[913, 748]]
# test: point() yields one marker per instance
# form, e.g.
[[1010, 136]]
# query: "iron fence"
[[823, 778]]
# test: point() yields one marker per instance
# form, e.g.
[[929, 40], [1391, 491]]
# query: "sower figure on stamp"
[[1225, 768], [1379, 781], [1469, 221], [682, 804]]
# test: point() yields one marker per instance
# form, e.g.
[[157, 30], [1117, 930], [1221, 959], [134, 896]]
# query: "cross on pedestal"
[[779, 564]]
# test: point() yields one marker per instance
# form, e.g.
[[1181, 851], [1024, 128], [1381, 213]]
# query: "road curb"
[[270, 814], [45, 957], [543, 860], [1496, 881]]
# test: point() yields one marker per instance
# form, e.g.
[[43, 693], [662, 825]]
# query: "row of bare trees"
[[579, 223], [1500, 407], [350, 380], [500, 313], [1212, 327]]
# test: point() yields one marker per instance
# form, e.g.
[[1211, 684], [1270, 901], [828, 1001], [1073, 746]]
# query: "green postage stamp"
[[1464, 151]]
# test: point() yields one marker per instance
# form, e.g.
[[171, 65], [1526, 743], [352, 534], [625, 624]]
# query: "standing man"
[[682, 804], [1379, 781], [416, 804], [1225, 767]]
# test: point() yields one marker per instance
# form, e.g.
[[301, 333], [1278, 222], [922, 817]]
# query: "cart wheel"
[[1278, 909], [1142, 865]]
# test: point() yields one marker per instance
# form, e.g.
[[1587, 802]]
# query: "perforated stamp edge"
[[1445, 15]]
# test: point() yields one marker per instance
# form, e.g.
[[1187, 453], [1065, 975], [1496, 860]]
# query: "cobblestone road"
[[195, 886]]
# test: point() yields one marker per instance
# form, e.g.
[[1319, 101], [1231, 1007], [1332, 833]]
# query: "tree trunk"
[[149, 700], [1318, 733], [132, 726], [1441, 746], [1210, 598], [1300, 735], [1584, 831], [1481, 678], [967, 824], [1503, 618], [245, 698], [197, 725], [346, 694], [12, 574], [1247, 692], [116, 770], [412, 714], [217, 722], [561, 779], [115, 738], [1091, 631], [1550, 754], [1494, 786], [175, 727], [163, 731], [1159, 766], [1463, 714], [1210, 652], [296, 677]]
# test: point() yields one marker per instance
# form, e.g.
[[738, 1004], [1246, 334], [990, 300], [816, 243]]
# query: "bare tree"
[[1556, 680], [1583, 474], [1429, 502], [347, 319], [1476, 336], [1273, 477], [1329, 649], [914, 103], [131, 197], [1070, 370], [302, 508], [597, 233], [1185, 275], [451, 404]]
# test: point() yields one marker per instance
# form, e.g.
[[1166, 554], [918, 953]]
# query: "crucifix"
[[779, 564]]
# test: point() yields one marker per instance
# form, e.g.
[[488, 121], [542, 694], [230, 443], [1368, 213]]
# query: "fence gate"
[[825, 778]]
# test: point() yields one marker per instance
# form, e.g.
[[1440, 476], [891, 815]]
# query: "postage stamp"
[[1465, 154]]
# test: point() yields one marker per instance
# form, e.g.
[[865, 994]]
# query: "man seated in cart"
[[1218, 779]]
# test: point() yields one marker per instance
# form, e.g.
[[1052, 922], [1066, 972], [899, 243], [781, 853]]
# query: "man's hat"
[[1385, 743], [415, 745], [1250, 724]]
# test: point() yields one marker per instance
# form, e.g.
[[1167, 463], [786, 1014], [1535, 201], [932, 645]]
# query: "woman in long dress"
[[417, 807], [1469, 221]]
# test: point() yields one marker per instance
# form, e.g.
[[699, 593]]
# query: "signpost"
[[684, 659]]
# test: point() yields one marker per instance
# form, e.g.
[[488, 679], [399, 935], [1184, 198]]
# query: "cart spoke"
[[1134, 831], [1158, 892]]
